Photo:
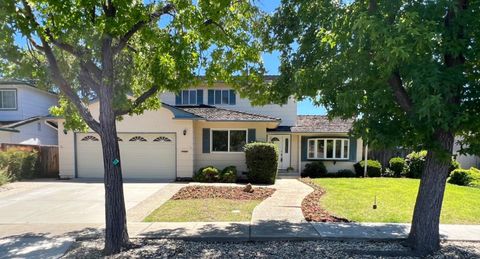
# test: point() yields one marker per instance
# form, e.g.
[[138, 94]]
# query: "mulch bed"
[[312, 211], [223, 192]]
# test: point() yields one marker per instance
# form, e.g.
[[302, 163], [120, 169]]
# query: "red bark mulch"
[[224, 192], [312, 211]]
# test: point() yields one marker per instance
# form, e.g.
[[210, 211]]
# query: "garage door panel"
[[142, 156]]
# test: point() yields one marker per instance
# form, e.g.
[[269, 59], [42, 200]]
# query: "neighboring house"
[[24, 114], [209, 126], [466, 161]]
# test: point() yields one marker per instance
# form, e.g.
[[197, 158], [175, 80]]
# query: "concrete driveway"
[[64, 202]]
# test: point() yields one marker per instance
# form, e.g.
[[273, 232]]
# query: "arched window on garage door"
[[138, 138], [162, 139], [89, 138]]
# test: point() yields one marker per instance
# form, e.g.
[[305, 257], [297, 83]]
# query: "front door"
[[283, 144]]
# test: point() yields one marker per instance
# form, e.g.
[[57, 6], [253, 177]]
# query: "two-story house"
[[205, 126], [24, 114]]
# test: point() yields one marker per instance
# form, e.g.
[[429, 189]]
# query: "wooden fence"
[[384, 155], [47, 157]]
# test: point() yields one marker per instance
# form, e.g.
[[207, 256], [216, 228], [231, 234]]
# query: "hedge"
[[314, 170], [18, 164], [398, 166], [374, 168], [465, 177], [262, 162]]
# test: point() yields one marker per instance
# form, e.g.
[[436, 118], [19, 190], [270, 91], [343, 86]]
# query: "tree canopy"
[[383, 63], [156, 46]]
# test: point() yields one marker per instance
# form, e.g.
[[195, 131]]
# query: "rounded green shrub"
[[460, 177], [346, 173], [416, 163], [374, 168], [207, 174], [397, 165], [315, 169], [262, 162], [229, 174]]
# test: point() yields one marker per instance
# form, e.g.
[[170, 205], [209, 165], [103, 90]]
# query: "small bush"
[[207, 174], [461, 177], [346, 173], [397, 165], [262, 162], [374, 168], [3, 177], [416, 163], [475, 173], [455, 165], [229, 174], [315, 170], [18, 164]]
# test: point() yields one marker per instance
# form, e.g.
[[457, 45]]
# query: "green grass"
[[203, 210], [353, 198]]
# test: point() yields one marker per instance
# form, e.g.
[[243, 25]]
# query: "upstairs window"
[[221, 97], [327, 148], [189, 97], [8, 99]]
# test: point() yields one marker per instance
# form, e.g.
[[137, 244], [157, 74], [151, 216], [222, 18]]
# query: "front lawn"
[[353, 198], [203, 210], [210, 204]]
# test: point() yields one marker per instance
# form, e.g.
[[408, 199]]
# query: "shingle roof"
[[320, 123], [211, 113]]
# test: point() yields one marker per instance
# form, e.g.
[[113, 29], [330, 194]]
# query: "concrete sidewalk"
[[284, 230]]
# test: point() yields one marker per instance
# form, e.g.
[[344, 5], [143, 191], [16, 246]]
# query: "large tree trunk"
[[116, 235], [424, 235]]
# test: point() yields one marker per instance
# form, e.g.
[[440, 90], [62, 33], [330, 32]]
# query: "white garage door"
[[142, 155]]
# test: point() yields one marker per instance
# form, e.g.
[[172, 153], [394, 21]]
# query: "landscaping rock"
[[165, 248], [248, 188], [312, 211]]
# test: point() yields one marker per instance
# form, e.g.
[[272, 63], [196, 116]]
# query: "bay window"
[[328, 148]]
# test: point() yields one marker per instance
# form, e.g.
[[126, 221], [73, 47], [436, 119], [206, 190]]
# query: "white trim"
[[228, 144], [315, 146], [221, 96]]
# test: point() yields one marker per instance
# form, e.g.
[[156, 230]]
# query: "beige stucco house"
[[209, 126]]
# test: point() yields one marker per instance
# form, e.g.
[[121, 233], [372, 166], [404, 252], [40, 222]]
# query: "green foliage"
[[229, 174], [460, 177], [398, 166], [17, 164], [207, 174], [465, 177], [346, 173], [4, 177], [455, 165], [374, 168], [475, 173], [217, 38], [262, 162], [416, 163], [343, 57], [314, 169]]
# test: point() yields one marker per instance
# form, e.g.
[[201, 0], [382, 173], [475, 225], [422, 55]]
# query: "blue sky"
[[272, 63]]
